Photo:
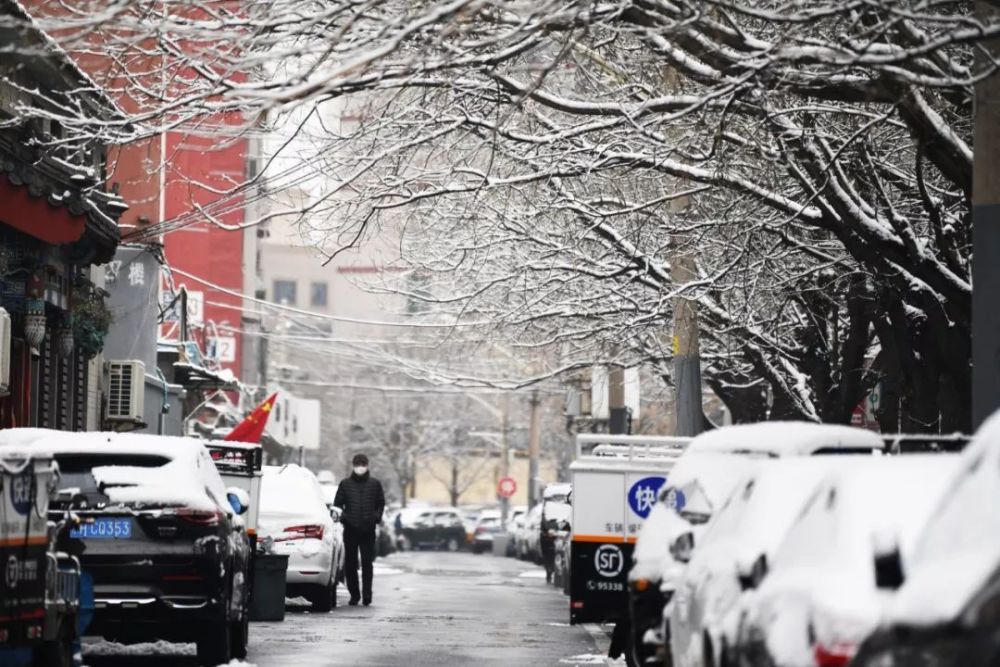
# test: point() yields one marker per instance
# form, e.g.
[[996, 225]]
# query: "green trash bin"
[[267, 603]]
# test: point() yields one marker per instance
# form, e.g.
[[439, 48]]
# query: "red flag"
[[252, 428]]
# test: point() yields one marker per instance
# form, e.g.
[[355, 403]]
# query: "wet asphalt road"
[[430, 608]]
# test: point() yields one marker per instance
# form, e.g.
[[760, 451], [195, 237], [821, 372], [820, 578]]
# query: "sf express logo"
[[609, 560]]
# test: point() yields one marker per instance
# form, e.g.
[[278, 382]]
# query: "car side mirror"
[[751, 576], [238, 499], [888, 562], [683, 547], [335, 513]]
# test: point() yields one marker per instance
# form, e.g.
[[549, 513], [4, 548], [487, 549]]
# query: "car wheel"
[[215, 644], [452, 545], [324, 598], [240, 637], [59, 651]]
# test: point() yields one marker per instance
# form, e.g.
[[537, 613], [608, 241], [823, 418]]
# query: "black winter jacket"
[[362, 500]]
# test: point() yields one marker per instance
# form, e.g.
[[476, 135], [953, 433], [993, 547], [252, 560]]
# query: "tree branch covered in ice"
[[543, 162]]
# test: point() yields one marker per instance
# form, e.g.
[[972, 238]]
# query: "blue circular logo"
[[20, 492], [674, 499], [642, 495]]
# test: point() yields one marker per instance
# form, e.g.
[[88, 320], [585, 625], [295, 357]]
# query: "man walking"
[[362, 500]]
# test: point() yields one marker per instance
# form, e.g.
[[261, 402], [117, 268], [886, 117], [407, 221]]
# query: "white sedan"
[[295, 517]]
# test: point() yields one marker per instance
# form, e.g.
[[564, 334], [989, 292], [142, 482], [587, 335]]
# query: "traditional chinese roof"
[[32, 174]]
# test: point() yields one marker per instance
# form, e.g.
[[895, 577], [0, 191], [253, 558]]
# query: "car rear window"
[[75, 469]]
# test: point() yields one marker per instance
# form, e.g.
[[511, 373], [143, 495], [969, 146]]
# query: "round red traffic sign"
[[506, 487]]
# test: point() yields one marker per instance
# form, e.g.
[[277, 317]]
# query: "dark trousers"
[[354, 541]]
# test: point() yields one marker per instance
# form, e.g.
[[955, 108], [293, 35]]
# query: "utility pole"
[[986, 234], [184, 314], [619, 421], [534, 447], [505, 455], [689, 419]]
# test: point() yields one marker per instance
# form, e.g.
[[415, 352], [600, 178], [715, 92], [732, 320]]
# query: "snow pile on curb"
[[590, 659], [106, 648], [532, 574]]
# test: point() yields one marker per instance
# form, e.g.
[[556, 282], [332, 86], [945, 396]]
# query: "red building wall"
[[198, 171]]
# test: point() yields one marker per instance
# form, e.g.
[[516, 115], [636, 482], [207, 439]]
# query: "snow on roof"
[[785, 438], [557, 490], [182, 481], [707, 477], [959, 548], [49, 440]]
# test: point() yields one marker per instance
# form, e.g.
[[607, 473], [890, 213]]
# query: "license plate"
[[104, 529]]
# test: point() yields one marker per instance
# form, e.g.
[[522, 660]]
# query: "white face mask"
[[360, 470]]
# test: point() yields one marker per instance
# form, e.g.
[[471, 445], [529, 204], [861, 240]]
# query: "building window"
[[284, 291], [318, 294]]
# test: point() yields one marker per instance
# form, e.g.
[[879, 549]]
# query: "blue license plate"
[[104, 529]]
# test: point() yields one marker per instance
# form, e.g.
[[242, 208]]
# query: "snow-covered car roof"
[[172, 483], [706, 478], [557, 490], [785, 439], [959, 547]]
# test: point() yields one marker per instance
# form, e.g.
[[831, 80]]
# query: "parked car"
[[563, 544], [385, 541], [406, 516], [439, 528], [734, 548], [295, 517], [557, 516], [164, 544], [515, 521], [700, 481], [526, 539], [831, 577], [696, 486], [516, 512], [945, 612], [487, 525]]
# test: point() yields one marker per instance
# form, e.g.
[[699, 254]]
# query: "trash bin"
[[500, 541], [268, 600]]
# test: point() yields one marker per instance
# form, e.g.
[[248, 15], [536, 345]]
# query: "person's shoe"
[[367, 602], [354, 601]]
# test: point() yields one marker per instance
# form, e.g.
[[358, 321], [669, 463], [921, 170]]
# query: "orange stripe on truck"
[[604, 539], [17, 541]]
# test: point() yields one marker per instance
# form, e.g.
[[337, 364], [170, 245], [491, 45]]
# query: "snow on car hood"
[[960, 546]]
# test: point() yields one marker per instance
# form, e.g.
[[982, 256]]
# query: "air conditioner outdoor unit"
[[5, 352], [126, 384]]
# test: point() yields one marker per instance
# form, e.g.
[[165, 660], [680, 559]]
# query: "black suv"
[[438, 529], [161, 537]]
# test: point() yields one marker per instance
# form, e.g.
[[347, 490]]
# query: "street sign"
[[506, 487]]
